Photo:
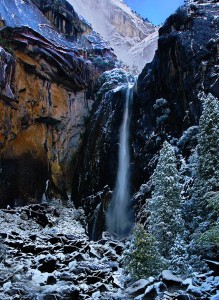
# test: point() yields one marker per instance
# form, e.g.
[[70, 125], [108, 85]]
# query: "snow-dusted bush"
[[160, 103], [162, 111], [188, 135], [209, 241], [141, 258]]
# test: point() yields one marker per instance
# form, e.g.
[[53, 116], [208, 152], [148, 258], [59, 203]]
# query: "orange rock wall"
[[40, 133]]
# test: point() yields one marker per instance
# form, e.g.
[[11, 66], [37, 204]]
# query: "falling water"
[[118, 217], [44, 199]]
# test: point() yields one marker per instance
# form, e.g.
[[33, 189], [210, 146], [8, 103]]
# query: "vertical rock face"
[[165, 102], [185, 63], [98, 161], [95, 174], [63, 16], [133, 39], [44, 99]]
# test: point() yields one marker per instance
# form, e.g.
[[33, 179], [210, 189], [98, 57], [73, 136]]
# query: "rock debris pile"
[[45, 254]]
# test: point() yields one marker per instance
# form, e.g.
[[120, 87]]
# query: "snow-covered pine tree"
[[165, 221], [179, 257], [205, 199], [141, 258], [206, 166], [208, 145]]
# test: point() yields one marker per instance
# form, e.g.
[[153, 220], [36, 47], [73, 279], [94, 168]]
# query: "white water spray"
[[44, 199], [118, 217]]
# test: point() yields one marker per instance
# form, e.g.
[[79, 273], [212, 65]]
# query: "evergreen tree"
[[205, 199], [179, 257], [141, 258], [206, 167], [208, 146], [165, 221], [209, 240]]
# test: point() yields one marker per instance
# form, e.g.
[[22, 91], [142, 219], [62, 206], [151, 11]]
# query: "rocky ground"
[[46, 255]]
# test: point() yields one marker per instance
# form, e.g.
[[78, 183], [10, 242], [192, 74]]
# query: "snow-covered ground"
[[45, 254]]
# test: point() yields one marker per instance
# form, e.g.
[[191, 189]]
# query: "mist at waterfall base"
[[119, 214]]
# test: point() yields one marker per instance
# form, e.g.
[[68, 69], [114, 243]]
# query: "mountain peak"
[[133, 39]]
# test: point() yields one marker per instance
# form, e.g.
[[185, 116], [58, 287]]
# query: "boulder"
[[169, 278], [138, 287]]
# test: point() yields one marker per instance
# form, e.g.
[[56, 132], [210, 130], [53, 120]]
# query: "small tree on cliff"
[[141, 258], [165, 221]]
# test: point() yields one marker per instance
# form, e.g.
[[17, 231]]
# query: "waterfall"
[[44, 199], [118, 217]]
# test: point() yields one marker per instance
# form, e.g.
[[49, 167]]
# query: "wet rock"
[[3, 235], [213, 265], [51, 280], [79, 257], [70, 249], [93, 280], [48, 264], [36, 212], [101, 287], [30, 248], [55, 240]]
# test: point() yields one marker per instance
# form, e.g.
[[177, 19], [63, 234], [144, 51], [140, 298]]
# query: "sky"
[[155, 10]]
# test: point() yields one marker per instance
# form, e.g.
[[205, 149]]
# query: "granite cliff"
[[185, 64], [50, 81], [47, 85], [133, 39], [165, 104], [63, 95]]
